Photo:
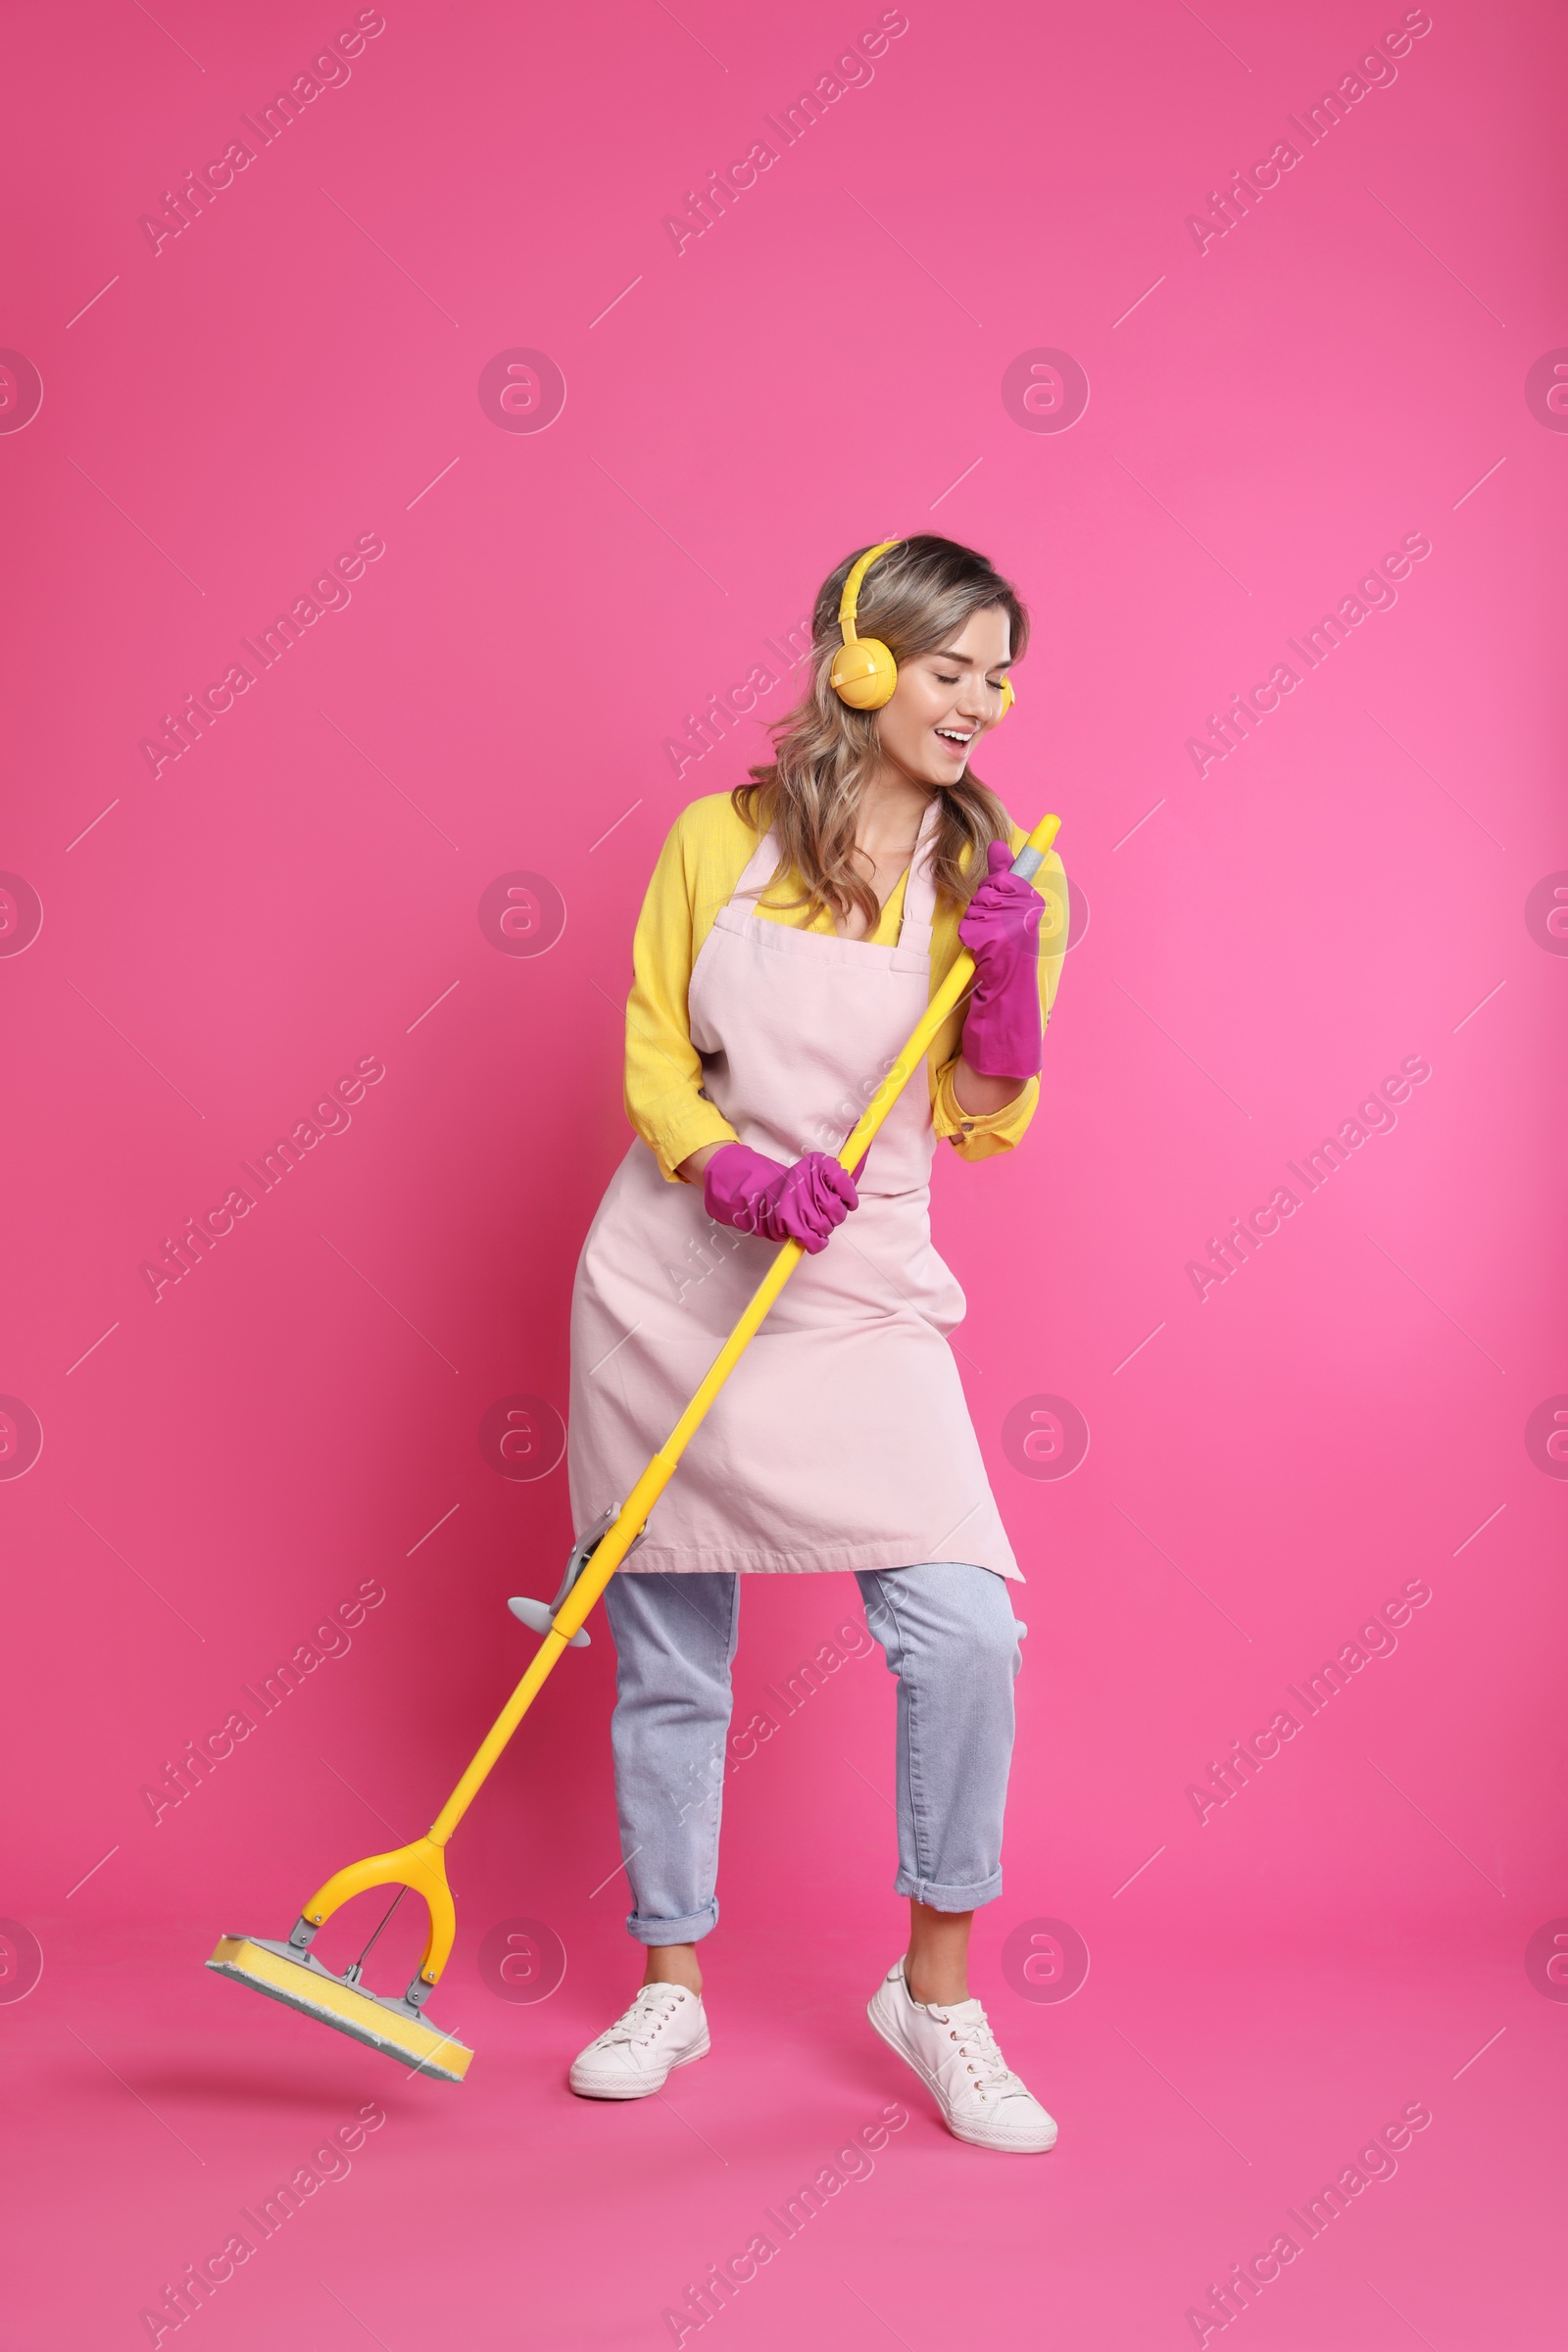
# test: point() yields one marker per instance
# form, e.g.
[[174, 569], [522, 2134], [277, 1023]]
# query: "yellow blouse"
[[699, 866]]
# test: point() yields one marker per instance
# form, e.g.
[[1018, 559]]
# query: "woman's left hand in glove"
[[1001, 928]]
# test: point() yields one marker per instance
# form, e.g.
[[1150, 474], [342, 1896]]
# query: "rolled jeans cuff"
[[939, 1898], [689, 1930]]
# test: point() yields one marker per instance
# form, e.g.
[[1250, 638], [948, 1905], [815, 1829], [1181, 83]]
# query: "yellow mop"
[[288, 1972]]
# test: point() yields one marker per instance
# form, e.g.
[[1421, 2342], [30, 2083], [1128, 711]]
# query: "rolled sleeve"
[[980, 1135]]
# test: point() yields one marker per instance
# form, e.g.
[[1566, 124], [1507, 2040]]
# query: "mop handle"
[[632, 1517]]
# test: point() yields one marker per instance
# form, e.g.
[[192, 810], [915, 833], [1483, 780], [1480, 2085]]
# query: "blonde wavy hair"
[[914, 600]]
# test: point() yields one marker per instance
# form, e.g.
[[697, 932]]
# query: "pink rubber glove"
[[756, 1195], [1001, 928]]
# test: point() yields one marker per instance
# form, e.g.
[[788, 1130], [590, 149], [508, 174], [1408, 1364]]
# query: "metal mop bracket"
[[539, 1614]]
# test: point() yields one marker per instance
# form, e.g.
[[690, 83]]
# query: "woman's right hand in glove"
[[745, 1190]]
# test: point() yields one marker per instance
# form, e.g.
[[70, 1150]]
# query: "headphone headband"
[[852, 586]]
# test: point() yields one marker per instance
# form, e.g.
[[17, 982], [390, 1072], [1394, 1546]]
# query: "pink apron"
[[841, 1439]]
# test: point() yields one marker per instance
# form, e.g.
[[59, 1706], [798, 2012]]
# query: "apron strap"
[[920, 887], [759, 867]]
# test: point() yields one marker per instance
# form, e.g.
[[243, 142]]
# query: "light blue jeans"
[[948, 1632]]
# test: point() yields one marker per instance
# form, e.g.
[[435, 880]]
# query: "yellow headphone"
[[865, 672]]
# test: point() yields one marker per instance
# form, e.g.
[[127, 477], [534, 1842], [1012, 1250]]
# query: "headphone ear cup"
[[863, 674], [1009, 698]]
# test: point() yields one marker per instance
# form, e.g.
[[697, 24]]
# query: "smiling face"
[[946, 700]]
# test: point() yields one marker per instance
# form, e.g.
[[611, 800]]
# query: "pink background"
[[1256, 949]]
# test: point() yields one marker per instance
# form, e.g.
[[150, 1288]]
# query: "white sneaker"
[[954, 2053], [665, 2027]]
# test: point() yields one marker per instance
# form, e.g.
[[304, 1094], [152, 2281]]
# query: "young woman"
[[791, 938]]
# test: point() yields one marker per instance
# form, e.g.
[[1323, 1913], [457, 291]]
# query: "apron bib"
[[841, 1439]]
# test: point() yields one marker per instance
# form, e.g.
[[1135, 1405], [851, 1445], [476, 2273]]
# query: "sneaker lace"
[[982, 2057], [650, 2012]]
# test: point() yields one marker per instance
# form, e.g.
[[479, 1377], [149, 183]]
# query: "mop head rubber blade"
[[388, 2026]]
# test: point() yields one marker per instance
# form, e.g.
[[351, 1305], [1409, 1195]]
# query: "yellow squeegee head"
[[393, 2026]]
